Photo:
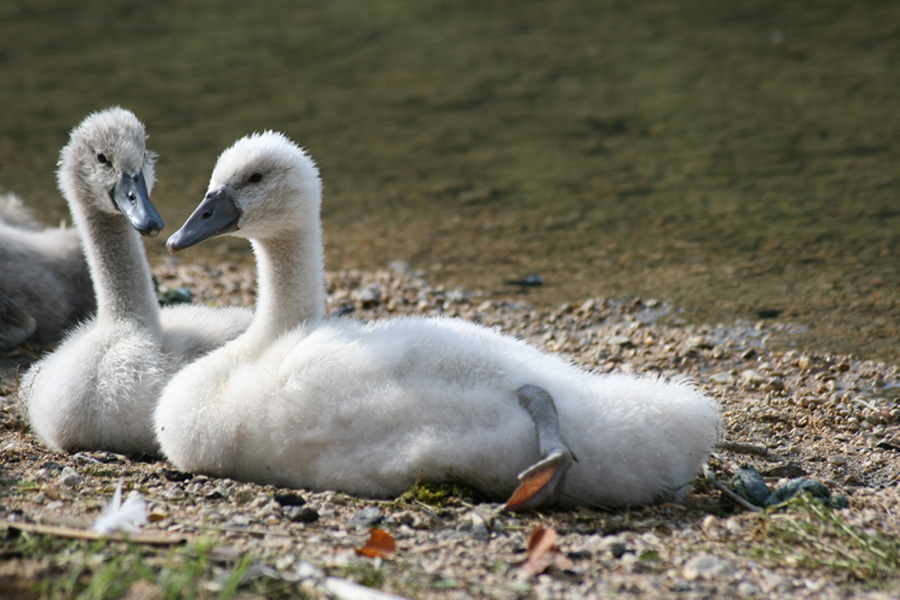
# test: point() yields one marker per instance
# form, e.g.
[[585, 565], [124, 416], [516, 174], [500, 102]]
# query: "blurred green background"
[[729, 157]]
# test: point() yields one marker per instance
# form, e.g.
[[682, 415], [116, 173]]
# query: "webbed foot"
[[542, 482]]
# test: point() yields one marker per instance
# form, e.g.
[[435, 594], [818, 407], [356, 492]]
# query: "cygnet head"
[[263, 187], [107, 168]]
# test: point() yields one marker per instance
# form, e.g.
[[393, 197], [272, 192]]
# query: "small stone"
[[852, 479], [752, 377], [269, 509], [176, 475], [475, 196], [459, 296], [479, 523], [706, 566], [259, 501], [837, 460], [70, 477], [746, 589], [367, 517], [175, 492], [723, 378], [615, 546], [775, 384], [217, 493], [157, 513], [289, 499], [307, 570], [399, 266], [733, 526], [211, 517], [485, 306], [700, 343], [629, 562], [244, 495], [369, 296], [301, 514], [239, 521], [710, 525]]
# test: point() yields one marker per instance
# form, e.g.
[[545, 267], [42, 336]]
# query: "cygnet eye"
[[101, 158], [255, 178]]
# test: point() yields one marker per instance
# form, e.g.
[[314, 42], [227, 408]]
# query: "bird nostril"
[[206, 214]]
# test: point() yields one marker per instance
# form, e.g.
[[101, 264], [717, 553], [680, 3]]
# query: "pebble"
[[244, 495], [723, 378], [369, 296], [367, 517], [752, 377], [706, 566], [620, 340], [289, 499], [301, 514], [710, 525], [306, 570], [747, 589], [775, 384], [70, 477], [615, 546], [478, 523]]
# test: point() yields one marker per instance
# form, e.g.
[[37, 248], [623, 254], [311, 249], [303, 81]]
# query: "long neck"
[[118, 267], [291, 286]]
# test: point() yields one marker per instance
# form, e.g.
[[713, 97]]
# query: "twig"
[[437, 546], [743, 448], [427, 510], [150, 539], [247, 530], [864, 404], [734, 497]]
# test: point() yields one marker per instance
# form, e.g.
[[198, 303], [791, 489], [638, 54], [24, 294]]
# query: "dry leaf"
[[381, 544], [541, 541], [528, 489], [543, 552]]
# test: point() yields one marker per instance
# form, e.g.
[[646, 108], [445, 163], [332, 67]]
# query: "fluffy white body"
[[99, 388], [305, 401], [46, 286]]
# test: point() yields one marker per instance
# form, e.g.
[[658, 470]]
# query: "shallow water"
[[728, 158]]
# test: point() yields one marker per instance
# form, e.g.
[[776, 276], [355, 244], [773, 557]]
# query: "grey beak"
[[131, 197], [216, 215]]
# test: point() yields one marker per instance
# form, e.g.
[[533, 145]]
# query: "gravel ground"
[[834, 419]]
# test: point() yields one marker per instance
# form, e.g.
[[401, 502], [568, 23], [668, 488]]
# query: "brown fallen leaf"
[[543, 552], [528, 489], [381, 544]]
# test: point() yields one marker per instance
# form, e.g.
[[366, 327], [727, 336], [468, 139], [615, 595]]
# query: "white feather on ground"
[[129, 516]]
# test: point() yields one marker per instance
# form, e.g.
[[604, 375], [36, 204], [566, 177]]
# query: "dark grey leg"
[[555, 452]]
